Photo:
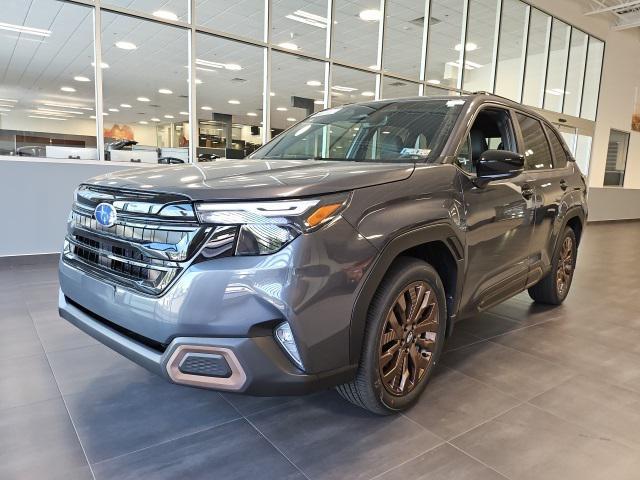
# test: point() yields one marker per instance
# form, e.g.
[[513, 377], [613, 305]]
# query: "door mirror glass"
[[499, 165]]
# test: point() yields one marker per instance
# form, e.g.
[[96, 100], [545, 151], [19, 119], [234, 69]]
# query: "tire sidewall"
[[393, 286]]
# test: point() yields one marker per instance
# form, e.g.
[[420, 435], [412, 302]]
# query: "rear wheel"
[[403, 339], [554, 288]]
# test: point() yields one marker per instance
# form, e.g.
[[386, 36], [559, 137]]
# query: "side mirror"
[[498, 165]]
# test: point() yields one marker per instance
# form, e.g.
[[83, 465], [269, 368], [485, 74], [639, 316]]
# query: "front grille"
[[142, 250]]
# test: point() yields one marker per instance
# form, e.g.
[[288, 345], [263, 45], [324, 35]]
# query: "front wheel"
[[403, 339], [554, 287]]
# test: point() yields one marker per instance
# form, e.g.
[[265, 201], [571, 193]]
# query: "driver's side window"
[[491, 130]]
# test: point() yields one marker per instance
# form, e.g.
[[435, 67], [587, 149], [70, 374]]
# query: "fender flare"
[[441, 232]]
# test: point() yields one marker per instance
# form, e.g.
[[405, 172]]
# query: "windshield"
[[407, 131]]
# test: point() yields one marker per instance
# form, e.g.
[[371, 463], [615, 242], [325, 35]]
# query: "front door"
[[499, 217]]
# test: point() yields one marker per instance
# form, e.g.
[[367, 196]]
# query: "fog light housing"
[[284, 336]]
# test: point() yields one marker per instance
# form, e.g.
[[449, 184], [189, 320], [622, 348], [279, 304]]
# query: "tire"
[[552, 289], [379, 386]]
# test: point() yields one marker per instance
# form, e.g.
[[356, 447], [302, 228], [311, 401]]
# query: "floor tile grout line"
[[265, 437], [169, 440], [408, 460], [64, 402], [449, 440], [278, 449], [581, 426], [504, 475]]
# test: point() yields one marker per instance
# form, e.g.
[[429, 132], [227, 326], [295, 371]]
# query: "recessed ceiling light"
[[114, 110], [2, 109], [165, 91], [308, 18], [198, 81], [155, 119], [434, 81], [252, 114], [39, 32], [206, 108], [6, 106], [368, 93], [288, 45], [8, 100], [80, 78], [48, 118], [282, 109], [126, 45], [143, 122], [105, 114], [169, 116], [234, 102], [319, 102], [233, 66], [271, 94], [166, 14], [344, 89], [68, 89], [314, 83], [470, 47], [93, 117], [291, 119], [125, 105], [370, 15], [373, 67], [143, 99], [102, 64], [184, 113]]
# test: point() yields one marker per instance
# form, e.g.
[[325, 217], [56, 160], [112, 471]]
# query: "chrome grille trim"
[[141, 251]]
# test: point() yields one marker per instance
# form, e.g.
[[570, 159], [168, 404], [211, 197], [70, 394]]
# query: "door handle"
[[527, 191], [563, 184]]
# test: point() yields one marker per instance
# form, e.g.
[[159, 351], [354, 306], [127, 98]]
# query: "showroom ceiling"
[[626, 12]]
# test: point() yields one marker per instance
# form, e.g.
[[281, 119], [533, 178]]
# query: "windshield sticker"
[[453, 103], [420, 152]]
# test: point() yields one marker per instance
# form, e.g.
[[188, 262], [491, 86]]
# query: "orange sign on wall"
[[119, 132]]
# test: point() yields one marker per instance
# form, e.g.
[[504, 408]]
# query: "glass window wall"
[[47, 88], [50, 86]]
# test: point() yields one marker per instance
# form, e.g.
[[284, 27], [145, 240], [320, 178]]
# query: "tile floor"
[[522, 392]]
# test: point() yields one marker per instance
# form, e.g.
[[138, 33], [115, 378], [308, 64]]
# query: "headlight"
[[266, 227]]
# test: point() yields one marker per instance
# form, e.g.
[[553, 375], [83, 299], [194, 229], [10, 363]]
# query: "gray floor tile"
[[442, 463], [19, 340], [57, 334], [511, 371], [459, 339], [454, 403], [249, 404], [38, 441], [231, 451], [26, 380], [119, 407], [612, 411], [487, 325], [529, 444], [330, 439], [583, 355]]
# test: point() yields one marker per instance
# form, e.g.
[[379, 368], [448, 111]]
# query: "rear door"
[[546, 173]]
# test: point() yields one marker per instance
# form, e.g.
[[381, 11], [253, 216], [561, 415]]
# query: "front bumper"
[[258, 365]]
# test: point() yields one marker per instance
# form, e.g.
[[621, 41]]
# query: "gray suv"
[[342, 253]]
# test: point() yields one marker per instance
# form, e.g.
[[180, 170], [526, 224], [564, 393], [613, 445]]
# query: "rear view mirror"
[[498, 165]]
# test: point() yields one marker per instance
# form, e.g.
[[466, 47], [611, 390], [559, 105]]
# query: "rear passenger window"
[[559, 153], [537, 153]]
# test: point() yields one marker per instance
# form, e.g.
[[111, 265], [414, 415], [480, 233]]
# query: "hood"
[[256, 179]]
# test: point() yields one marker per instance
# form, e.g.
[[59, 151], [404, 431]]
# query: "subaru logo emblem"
[[106, 214]]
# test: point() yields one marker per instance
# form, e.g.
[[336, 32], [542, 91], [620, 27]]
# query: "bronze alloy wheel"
[[565, 267], [408, 339]]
